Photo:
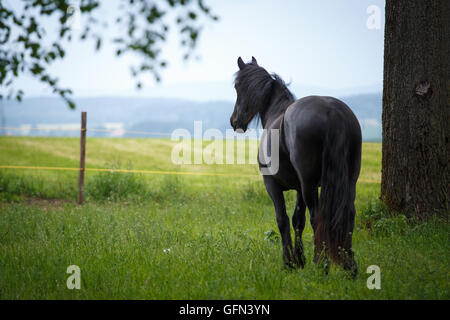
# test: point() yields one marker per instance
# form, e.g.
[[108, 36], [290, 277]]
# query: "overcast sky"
[[315, 43]]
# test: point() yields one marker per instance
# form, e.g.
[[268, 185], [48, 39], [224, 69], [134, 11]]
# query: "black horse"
[[319, 145]]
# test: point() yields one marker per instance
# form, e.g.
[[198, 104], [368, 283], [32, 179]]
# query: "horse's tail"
[[334, 221]]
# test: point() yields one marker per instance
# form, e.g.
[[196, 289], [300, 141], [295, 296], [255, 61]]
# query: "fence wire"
[[150, 133], [189, 173]]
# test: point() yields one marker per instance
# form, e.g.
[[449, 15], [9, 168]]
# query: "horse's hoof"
[[351, 267], [352, 271], [289, 264], [300, 261]]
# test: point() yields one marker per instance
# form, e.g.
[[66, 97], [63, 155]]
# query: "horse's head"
[[253, 86]]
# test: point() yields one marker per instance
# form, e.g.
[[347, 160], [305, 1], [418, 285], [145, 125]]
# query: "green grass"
[[221, 231]]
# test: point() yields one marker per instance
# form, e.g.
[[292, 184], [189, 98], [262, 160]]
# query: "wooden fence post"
[[82, 158]]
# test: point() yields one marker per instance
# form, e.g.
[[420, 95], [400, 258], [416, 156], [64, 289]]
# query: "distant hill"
[[162, 115]]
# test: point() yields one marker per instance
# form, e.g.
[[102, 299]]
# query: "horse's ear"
[[254, 61], [241, 63]]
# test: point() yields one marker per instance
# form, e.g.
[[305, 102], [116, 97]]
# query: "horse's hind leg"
[[349, 262], [310, 196], [275, 192], [298, 222]]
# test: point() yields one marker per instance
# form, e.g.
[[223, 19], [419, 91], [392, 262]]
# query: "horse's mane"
[[286, 93], [259, 89]]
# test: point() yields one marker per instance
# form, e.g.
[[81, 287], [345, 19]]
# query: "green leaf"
[[98, 44], [71, 104], [192, 15]]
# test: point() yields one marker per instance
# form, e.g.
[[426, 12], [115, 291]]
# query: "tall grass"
[[111, 185], [12, 187], [15, 187]]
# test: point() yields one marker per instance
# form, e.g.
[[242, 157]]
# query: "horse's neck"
[[270, 122], [277, 107]]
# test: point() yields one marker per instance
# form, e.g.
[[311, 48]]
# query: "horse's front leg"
[[276, 194]]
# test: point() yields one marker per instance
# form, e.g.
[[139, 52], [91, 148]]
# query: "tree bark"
[[416, 107]]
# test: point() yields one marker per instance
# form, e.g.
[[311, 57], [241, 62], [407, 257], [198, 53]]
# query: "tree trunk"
[[416, 112]]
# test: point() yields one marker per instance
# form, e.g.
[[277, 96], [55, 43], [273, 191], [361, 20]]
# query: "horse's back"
[[313, 116], [310, 111], [307, 124]]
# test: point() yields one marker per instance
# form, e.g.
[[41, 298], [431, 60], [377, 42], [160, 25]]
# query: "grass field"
[[154, 236]]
